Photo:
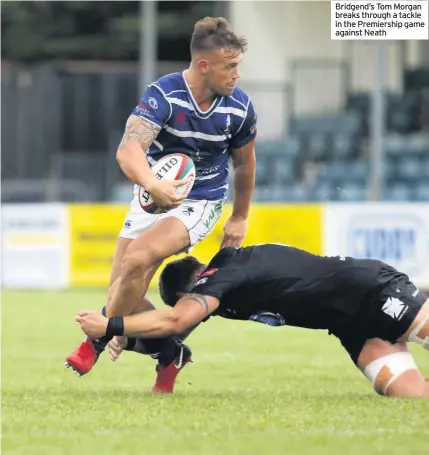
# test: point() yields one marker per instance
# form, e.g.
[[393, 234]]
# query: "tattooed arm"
[[131, 155], [189, 311]]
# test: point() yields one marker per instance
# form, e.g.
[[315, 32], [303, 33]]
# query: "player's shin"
[[101, 343], [129, 289], [165, 350]]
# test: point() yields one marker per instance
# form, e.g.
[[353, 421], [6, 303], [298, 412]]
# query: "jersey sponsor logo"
[[202, 281], [153, 103], [208, 170], [143, 112], [214, 215], [395, 308]]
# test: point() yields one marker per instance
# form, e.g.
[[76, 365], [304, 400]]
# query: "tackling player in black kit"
[[372, 308]]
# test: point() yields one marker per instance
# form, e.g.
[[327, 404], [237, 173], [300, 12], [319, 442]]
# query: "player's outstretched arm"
[[188, 312], [244, 164]]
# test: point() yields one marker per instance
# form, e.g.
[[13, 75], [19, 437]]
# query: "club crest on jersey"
[[180, 117], [153, 103], [395, 308], [196, 157]]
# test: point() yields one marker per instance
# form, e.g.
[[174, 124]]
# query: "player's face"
[[222, 72]]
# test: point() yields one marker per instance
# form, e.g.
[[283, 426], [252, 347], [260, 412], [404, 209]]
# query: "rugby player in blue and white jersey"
[[200, 112]]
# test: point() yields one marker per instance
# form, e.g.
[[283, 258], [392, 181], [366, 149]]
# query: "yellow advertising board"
[[95, 228]]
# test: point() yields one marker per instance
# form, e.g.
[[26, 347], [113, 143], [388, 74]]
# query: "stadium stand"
[[326, 157]]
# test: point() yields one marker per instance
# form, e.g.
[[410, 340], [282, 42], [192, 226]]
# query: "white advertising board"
[[35, 246], [395, 233]]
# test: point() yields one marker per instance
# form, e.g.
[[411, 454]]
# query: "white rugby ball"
[[175, 166]]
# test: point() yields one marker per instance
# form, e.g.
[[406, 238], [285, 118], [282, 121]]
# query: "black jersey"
[[306, 290]]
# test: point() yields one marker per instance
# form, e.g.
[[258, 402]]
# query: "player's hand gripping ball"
[[175, 166]]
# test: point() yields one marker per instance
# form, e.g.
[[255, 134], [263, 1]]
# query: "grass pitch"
[[252, 390]]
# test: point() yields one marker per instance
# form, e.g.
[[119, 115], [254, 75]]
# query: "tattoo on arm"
[[141, 131], [201, 300]]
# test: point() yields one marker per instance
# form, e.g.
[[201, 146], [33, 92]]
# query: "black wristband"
[[115, 326]]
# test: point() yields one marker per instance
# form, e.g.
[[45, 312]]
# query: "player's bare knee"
[[385, 371]]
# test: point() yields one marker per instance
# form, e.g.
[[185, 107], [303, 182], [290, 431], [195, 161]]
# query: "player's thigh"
[[170, 233], [180, 229], [391, 369], [143, 234], [199, 218], [163, 239]]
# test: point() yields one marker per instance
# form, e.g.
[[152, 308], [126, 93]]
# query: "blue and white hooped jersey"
[[207, 137]]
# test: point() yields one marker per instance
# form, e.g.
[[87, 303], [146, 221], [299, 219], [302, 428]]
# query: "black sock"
[[101, 343], [164, 350], [131, 344]]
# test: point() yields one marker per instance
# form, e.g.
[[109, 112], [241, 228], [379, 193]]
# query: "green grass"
[[252, 390]]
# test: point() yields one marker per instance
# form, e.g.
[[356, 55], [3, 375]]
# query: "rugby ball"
[[175, 166]]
